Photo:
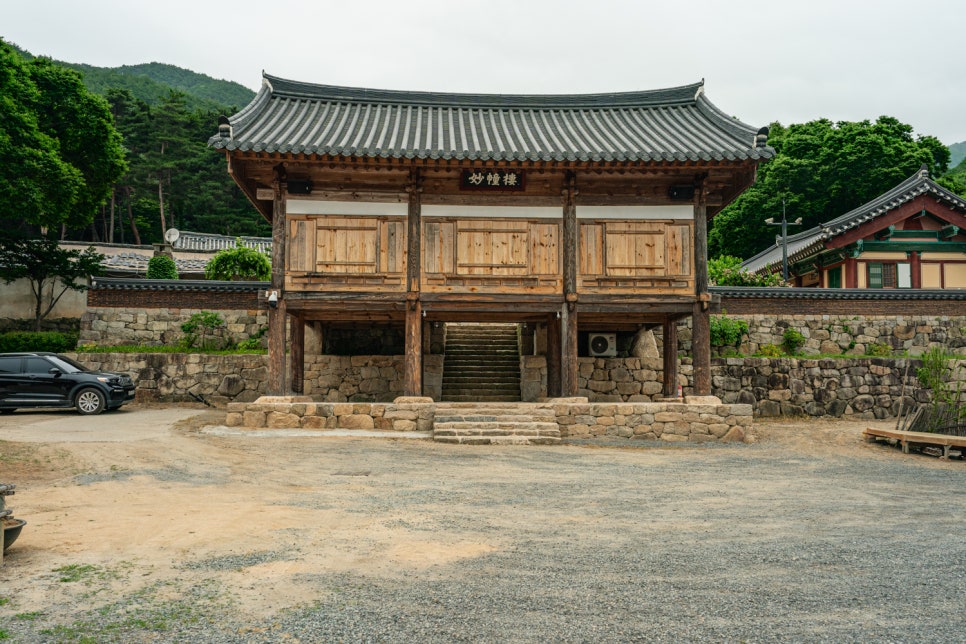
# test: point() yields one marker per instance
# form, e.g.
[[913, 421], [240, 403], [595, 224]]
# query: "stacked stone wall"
[[186, 377], [403, 417], [655, 421], [162, 326]]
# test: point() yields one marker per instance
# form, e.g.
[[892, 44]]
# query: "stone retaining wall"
[[406, 417], [656, 421], [849, 387], [162, 326], [186, 377]]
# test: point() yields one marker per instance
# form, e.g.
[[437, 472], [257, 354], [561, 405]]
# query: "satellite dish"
[[172, 235]]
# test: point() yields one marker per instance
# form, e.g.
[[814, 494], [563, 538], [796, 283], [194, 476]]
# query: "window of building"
[[891, 275]]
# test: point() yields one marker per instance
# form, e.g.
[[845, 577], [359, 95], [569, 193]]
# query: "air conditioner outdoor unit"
[[602, 345]]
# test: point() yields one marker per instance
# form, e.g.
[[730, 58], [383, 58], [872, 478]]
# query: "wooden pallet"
[[917, 439]]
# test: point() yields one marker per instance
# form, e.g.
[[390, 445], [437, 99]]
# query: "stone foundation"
[[667, 421]]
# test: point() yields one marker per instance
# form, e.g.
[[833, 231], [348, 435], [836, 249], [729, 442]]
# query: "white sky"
[[762, 60]]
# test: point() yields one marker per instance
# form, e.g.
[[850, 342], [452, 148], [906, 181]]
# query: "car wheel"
[[89, 401]]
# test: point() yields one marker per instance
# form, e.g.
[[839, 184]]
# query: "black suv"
[[51, 380]]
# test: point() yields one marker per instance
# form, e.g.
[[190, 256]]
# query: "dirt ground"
[[150, 500]]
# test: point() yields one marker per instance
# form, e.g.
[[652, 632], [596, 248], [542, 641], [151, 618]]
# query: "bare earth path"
[[144, 525]]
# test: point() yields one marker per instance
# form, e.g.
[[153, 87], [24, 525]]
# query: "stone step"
[[506, 393], [496, 429], [481, 398], [470, 421]]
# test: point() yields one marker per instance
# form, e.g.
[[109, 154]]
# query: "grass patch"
[[139, 348], [29, 617]]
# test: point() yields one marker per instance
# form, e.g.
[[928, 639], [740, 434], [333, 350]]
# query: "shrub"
[[204, 322], [54, 341], [240, 262], [254, 342], [162, 267], [726, 332], [726, 271], [792, 341], [769, 351], [878, 350]]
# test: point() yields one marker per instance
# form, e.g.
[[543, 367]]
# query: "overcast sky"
[[762, 61]]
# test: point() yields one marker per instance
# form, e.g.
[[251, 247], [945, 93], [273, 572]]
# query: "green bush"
[[202, 323], [54, 341], [162, 267], [770, 351], [792, 341], [878, 350], [254, 342], [726, 332], [240, 262]]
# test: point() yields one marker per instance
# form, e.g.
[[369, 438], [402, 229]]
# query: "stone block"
[[404, 425], [356, 421], [253, 419]]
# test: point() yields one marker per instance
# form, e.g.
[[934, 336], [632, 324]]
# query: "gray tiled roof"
[[676, 124], [213, 243], [138, 262], [139, 284], [810, 241]]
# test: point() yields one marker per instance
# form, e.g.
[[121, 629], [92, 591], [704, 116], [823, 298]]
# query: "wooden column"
[[568, 350], [413, 376], [276, 315], [568, 314], [298, 354], [701, 316], [670, 337], [553, 357], [851, 273], [915, 267]]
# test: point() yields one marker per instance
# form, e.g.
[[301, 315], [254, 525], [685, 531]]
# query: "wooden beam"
[[670, 355], [413, 376], [276, 315], [298, 354], [553, 357], [570, 236], [701, 318], [568, 351]]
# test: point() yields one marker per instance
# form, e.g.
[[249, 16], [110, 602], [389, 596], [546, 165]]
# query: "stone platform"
[[696, 419]]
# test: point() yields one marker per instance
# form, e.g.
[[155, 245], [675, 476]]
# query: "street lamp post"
[[784, 223]]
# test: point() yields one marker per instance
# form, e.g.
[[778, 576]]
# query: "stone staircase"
[[482, 363], [495, 423]]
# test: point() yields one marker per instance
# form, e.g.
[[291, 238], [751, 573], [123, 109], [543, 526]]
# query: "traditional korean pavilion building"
[[912, 236], [572, 212]]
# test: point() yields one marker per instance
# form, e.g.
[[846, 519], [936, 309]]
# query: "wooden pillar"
[[413, 371], [670, 337], [851, 273], [568, 350], [276, 314], [915, 267], [553, 357], [568, 314], [701, 316], [298, 354], [413, 376]]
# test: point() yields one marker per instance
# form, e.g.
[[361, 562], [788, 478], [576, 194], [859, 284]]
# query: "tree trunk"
[[110, 234], [130, 216]]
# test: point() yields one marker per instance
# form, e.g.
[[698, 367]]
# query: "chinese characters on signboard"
[[490, 179]]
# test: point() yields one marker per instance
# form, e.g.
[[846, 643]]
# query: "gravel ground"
[[771, 542]]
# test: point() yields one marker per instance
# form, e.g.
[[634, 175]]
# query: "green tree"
[[59, 151], [162, 267], [50, 270], [823, 170], [240, 262]]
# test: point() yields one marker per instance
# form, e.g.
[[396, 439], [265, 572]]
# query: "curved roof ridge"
[[681, 95]]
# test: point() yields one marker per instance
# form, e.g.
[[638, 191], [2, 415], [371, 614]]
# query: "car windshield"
[[66, 364]]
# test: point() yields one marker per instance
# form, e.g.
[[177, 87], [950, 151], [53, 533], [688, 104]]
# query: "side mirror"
[[55, 372]]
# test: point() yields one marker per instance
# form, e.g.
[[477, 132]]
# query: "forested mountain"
[[152, 82], [957, 153]]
